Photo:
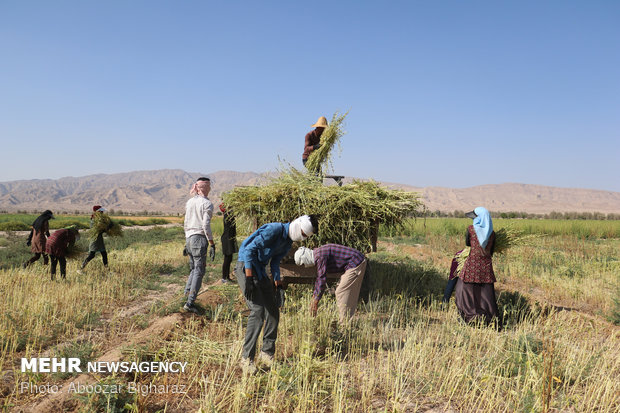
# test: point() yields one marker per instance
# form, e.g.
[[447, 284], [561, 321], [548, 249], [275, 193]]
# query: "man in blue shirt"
[[267, 245]]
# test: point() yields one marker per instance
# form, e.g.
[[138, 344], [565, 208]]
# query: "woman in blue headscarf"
[[475, 292]]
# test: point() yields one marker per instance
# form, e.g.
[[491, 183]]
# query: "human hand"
[[249, 288], [314, 307]]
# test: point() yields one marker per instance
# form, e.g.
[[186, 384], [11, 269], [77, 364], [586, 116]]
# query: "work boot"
[[190, 308], [265, 359], [247, 366]]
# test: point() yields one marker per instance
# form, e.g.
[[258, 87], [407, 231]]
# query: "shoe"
[[247, 366], [225, 280], [190, 309], [265, 359]]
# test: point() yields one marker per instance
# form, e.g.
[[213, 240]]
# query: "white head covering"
[[304, 256], [300, 224]]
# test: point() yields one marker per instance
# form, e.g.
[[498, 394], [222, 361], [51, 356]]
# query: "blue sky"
[[440, 93]]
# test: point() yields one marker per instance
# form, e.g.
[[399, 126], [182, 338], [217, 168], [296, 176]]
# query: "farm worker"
[[97, 245], [36, 240], [197, 226], [229, 242], [475, 292], [334, 258], [313, 138], [57, 246], [268, 244]]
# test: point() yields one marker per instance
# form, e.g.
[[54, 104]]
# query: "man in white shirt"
[[197, 225]]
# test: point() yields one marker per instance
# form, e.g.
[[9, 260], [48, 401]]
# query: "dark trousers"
[[226, 267], [91, 255], [63, 266], [36, 257], [263, 310]]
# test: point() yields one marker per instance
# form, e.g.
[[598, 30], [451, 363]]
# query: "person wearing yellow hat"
[[313, 138]]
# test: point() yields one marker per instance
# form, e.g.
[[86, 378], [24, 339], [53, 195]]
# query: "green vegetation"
[[347, 214], [22, 222]]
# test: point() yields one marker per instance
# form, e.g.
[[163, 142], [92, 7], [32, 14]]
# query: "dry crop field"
[[404, 352]]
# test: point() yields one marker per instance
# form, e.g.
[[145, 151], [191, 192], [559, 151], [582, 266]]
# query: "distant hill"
[[166, 190]]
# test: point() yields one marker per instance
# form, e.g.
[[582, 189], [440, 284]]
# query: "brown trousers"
[[348, 291]]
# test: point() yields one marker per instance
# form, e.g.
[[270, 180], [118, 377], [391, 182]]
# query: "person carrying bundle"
[[475, 292], [37, 237], [58, 246], [313, 139], [96, 245], [334, 258], [267, 245]]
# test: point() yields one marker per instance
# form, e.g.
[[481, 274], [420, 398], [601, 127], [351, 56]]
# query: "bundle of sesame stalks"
[[320, 159], [74, 251], [505, 238], [103, 224], [348, 214]]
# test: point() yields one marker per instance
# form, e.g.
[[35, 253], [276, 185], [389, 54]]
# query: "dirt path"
[[161, 327]]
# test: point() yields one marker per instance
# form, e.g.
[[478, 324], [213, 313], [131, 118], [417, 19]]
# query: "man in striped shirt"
[[335, 258]]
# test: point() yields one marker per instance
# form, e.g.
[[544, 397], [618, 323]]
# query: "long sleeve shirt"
[[198, 213], [268, 244], [331, 258], [312, 138]]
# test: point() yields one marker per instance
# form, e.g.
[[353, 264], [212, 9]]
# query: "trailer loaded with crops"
[[348, 214]]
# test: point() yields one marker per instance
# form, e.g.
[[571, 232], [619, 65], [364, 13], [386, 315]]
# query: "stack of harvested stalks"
[[505, 238], [103, 224], [74, 252], [348, 214], [320, 159]]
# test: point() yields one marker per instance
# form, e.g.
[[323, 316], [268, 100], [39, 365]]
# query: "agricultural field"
[[22, 222], [558, 351]]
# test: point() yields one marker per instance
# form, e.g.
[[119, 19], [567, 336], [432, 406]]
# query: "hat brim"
[[316, 125], [471, 214]]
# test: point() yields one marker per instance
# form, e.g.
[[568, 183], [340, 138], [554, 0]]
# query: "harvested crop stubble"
[[505, 238], [103, 224], [320, 159], [347, 214]]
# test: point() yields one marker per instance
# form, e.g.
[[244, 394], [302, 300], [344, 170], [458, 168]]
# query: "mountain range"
[[167, 190]]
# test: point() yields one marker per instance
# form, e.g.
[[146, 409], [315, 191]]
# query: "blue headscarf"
[[483, 225]]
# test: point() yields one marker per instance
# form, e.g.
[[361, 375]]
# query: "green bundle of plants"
[[505, 238], [103, 224], [320, 159], [74, 251], [348, 214]]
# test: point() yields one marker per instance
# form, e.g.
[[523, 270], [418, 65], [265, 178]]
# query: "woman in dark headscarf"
[[475, 292], [37, 238], [229, 242]]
